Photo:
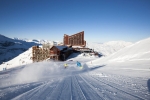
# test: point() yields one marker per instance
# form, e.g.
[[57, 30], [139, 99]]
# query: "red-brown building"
[[75, 40], [60, 52]]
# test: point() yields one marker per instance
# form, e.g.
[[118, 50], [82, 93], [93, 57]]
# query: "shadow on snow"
[[148, 85], [87, 69], [73, 55]]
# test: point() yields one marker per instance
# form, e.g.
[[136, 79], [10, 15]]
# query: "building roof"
[[77, 46], [61, 47]]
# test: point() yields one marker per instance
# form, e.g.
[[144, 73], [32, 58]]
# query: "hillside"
[[138, 51], [108, 47], [135, 57], [12, 47]]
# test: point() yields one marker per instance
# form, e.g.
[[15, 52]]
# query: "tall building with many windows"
[[75, 39]]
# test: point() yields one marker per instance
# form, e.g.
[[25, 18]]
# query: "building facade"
[[75, 40], [59, 53], [40, 54]]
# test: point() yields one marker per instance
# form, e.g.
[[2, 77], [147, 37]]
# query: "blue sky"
[[101, 20]]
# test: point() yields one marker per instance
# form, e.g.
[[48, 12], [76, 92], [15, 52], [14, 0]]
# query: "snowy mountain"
[[108, 47], [133, 57], [138, 51], [22, 59], [38, 41], [12, 47]]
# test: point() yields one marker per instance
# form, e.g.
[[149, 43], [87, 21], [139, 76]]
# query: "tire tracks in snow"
[[77, 93], [13, 91], [136, 85], [56, 92], [39, 93], [67, 89], [89, 92], [106, 91], [113, 86]]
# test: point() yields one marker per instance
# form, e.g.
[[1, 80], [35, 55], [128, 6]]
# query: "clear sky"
[[101, 20]]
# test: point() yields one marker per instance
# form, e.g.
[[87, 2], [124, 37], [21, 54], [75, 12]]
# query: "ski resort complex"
[[73, 43]]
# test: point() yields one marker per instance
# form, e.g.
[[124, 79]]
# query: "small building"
[[60, 52], [39, 53], [55, 52]]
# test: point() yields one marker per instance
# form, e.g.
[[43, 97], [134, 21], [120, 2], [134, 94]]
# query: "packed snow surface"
[[123, 75], [49, 80]]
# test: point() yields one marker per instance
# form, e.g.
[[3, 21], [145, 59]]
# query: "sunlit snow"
[[122, 75]]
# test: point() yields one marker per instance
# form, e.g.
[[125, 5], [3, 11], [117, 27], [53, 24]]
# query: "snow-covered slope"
[[108, 47], [138, 51], [22, 59], [10, 48], [135, 57]]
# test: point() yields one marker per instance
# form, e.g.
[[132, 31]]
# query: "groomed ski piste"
[[124, 75]]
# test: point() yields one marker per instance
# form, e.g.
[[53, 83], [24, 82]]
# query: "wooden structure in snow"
[[60, 52], [55, 52], [39, 54], [75, 40]]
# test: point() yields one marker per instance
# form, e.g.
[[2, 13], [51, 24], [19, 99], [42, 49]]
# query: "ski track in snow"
[[75, 84]]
